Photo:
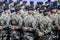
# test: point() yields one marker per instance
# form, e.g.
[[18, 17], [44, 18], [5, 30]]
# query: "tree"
[[59, 1]]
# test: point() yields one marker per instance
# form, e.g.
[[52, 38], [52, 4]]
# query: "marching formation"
[[26, 22]]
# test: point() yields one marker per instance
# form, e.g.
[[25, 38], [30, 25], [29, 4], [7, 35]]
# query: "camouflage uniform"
[[48, 30], [45, 26], [6, 17], [36, 12], [3, 32], [59, 26], [54, 18], [17, 18], [25, 14], [30, 23], [14, 34], [59, 22]]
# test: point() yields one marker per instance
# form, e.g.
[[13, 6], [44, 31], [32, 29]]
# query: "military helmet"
[[17, 8], [30, 8], [42, 8], [12, 9], [31, 2], [6, 7]]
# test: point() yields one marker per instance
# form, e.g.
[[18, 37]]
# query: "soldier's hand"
[[1, 28], [53, 27], [25, 28], [13, 27], [40, 34]]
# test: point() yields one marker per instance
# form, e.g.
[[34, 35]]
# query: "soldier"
[[40, 17], [41, 12], [30, 24], [58, 22], [45, 27], [6, 14], [3, 29], [14, 34], [54, 17], [17, 16], [49, 24], [54, 13], [6, 17]]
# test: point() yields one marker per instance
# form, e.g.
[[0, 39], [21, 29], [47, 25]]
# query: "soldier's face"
[[13, 27], [40, 11], [58, 11], [0, 27], [31, 12], [54, 10], [7, 11], [20, 11]]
